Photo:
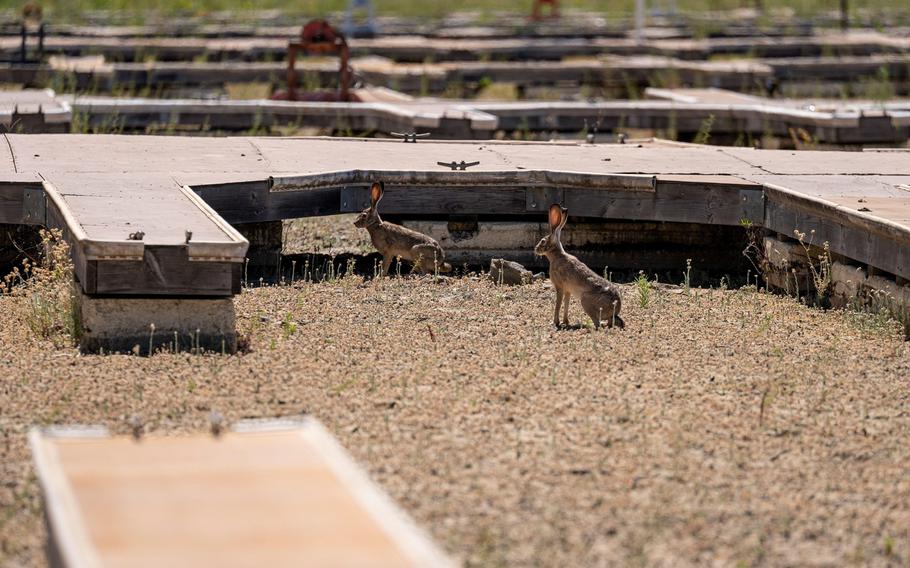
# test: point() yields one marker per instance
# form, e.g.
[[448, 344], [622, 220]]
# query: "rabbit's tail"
[[445, 267]]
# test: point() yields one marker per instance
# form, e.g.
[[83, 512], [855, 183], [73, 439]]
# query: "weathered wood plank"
[[165, 271], [266, 494], [684, 202], [11, 203]]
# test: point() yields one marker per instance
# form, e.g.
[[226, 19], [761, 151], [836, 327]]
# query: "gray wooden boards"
[[266, 494], [102, 190]]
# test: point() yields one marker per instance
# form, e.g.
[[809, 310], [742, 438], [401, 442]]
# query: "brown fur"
[[570, 277], [393, 240]]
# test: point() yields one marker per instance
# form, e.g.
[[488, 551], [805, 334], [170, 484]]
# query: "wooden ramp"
[[270, 494]]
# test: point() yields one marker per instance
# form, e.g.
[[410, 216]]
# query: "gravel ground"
[[331, 235], [720, 428]]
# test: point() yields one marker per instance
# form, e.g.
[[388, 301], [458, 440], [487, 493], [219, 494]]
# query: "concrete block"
[[787, 266], [881, 292], [483, 236], [784, 255], [846, 284], [184, 324], [620, 245]]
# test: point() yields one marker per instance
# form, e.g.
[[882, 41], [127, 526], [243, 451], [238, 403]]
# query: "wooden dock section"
[[152, 219], [417, 49], [614, 74], [269, 494], [677, 112], [34, 110]]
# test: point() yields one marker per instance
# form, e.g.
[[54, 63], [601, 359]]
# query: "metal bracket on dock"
[[34, 206], [410, 136], [453, 165]]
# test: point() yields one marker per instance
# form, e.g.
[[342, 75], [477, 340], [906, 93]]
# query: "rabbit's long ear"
[[564, 217], [376, 191], [555, 217]]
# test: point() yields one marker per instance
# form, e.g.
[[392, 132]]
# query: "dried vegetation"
[[721, 427]]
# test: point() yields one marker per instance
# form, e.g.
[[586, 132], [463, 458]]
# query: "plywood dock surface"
[[286, 497], [106, 176]]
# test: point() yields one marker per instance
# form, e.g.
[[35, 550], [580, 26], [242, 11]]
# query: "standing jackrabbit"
[[393, 240], [599, 299]]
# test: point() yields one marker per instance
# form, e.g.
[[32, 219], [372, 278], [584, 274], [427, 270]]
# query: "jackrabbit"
[[393, 240], [599, 299]]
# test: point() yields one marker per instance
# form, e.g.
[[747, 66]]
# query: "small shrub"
[[704, 130], [821, 273], [47, 284], [687, 277], [643, 289]]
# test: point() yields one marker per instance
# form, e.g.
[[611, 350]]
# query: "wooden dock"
[[417, 49], [269, 494], [676, 112], [615, 75], [740, 23], [153, 217]]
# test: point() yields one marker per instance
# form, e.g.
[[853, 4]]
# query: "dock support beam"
[[266, 245]]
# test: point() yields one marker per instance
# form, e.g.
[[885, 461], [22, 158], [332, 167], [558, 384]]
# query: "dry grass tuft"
[[47, 286]]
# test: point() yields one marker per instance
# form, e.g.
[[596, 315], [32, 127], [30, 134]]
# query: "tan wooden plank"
[[267, 497]]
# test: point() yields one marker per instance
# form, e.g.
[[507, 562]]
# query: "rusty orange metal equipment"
[[537, 10], [318, 37]]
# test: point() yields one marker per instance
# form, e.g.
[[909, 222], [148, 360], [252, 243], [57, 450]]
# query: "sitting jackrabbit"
[[599, 299], [393, 240]]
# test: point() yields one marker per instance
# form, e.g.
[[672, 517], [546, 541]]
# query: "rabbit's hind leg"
[[427, 258], [599, 310], [419, 259]]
